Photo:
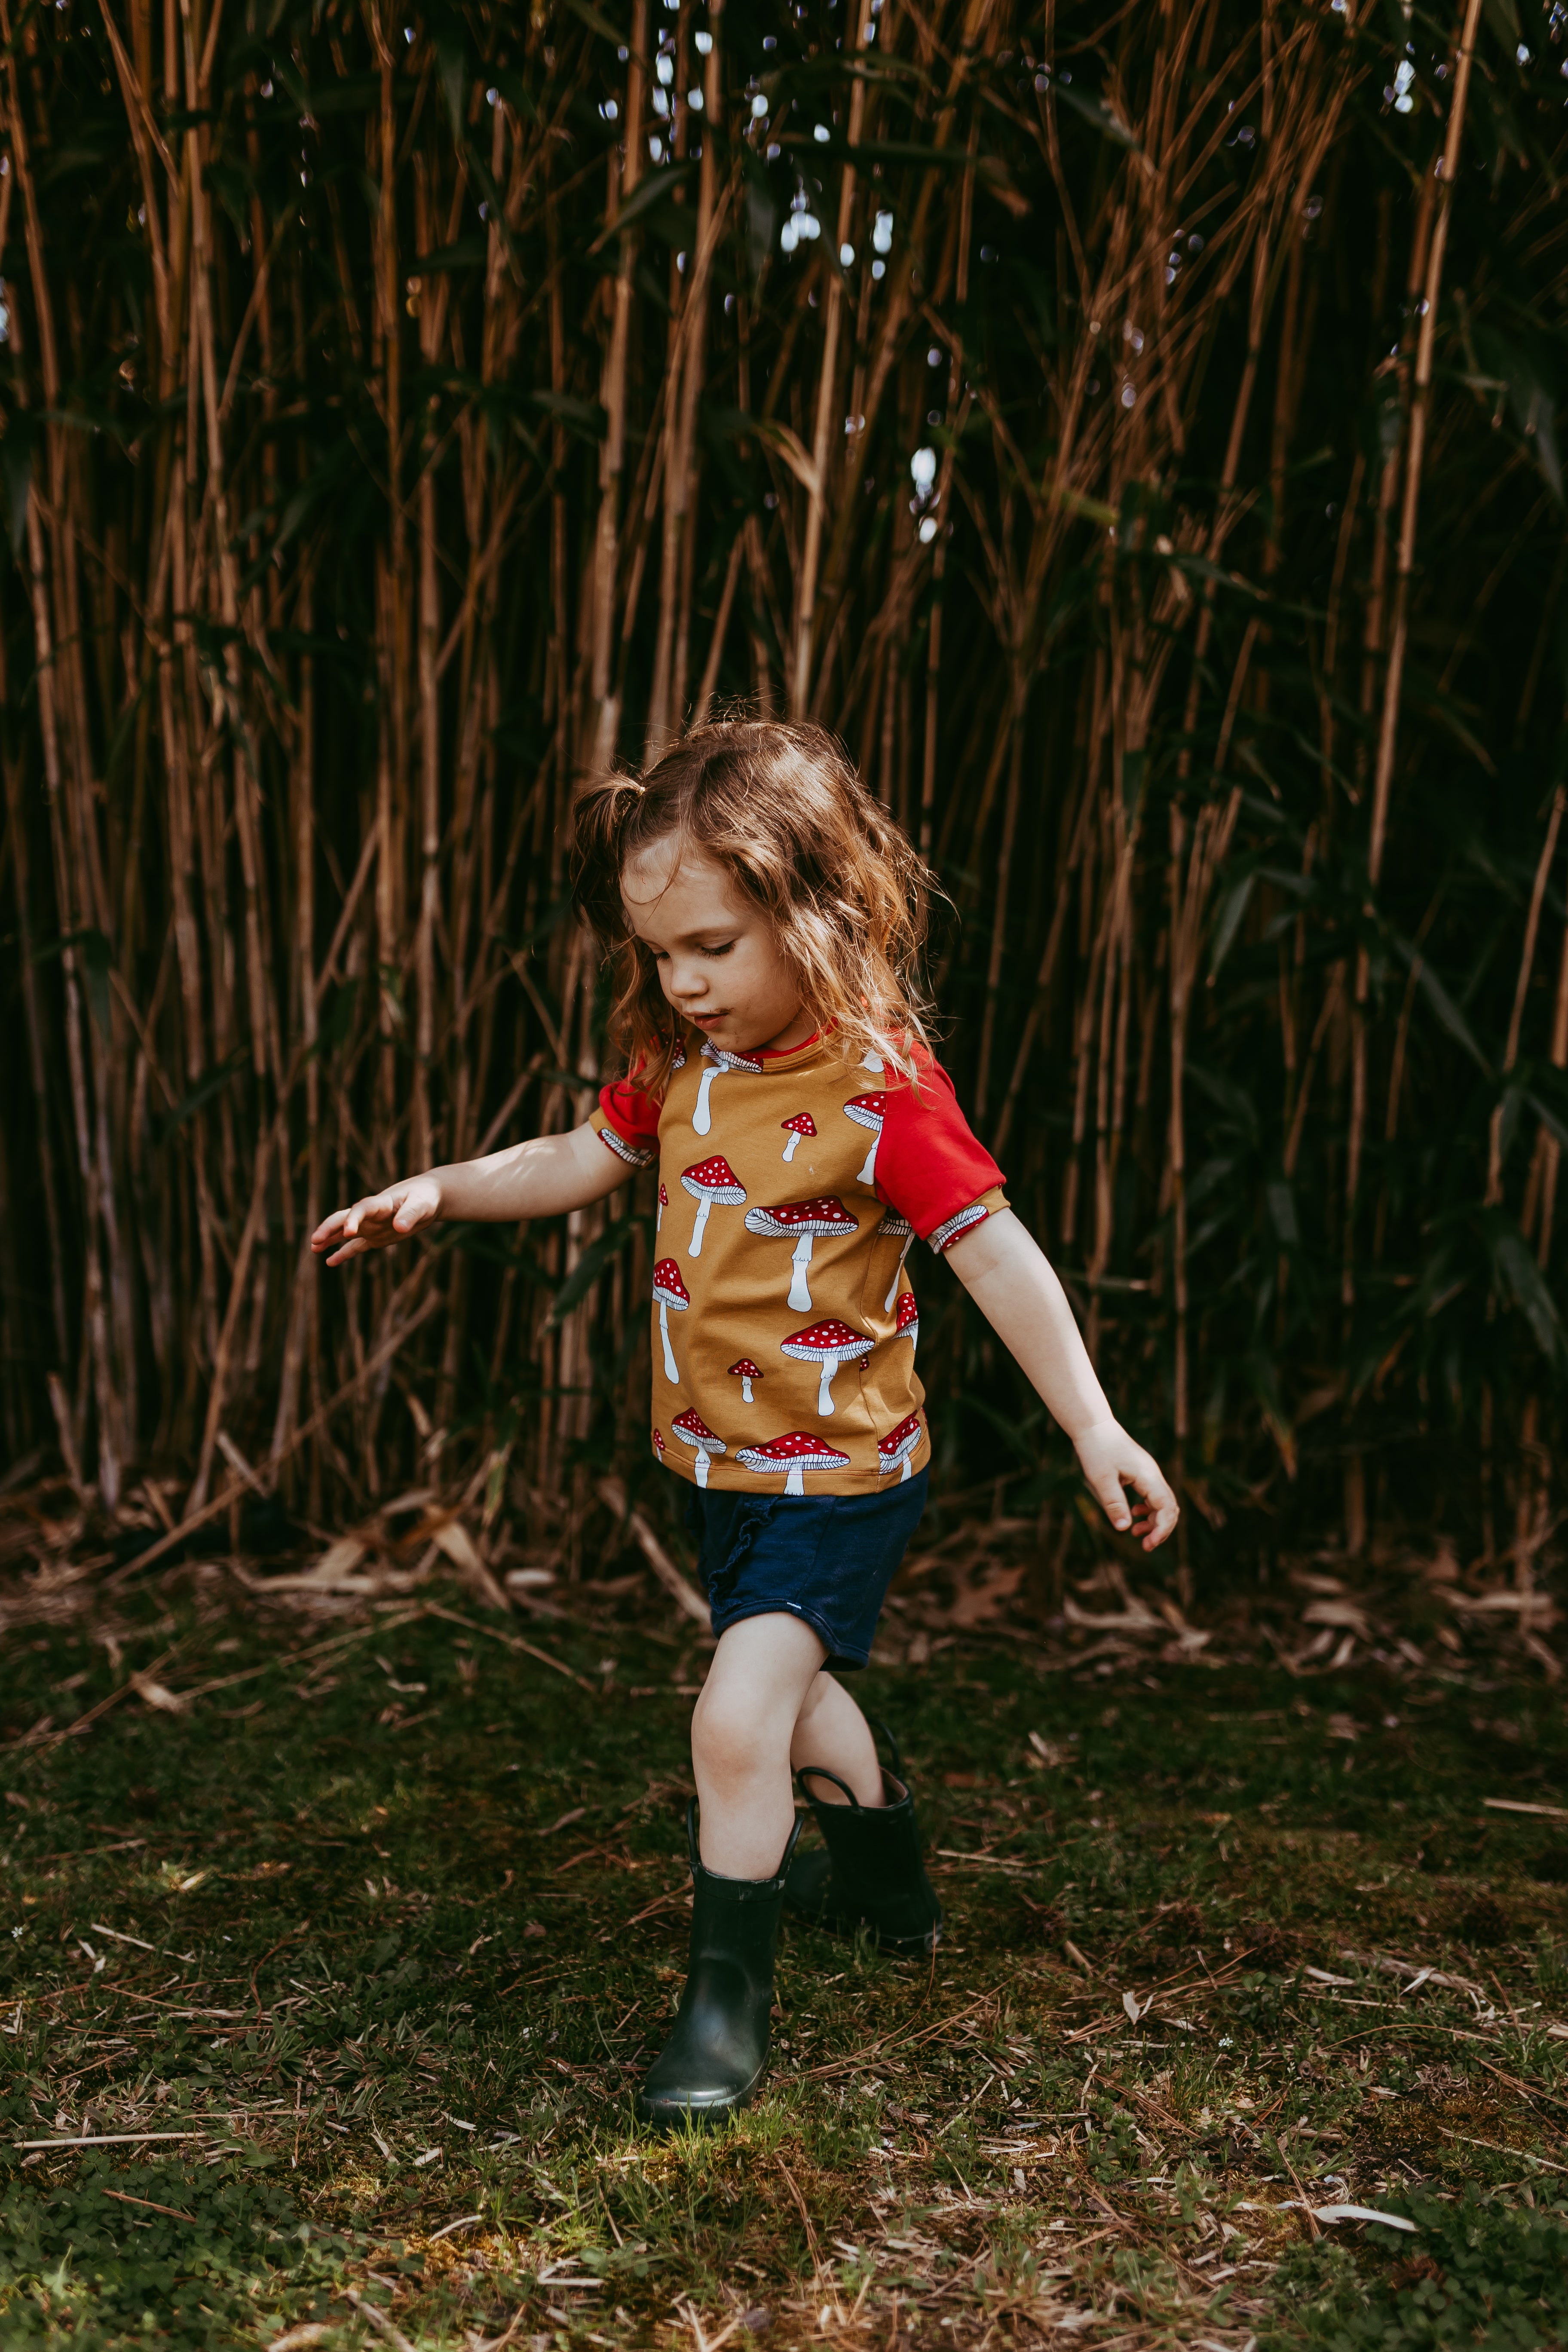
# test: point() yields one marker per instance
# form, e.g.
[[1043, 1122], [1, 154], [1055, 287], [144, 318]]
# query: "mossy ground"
[[387, 1928]]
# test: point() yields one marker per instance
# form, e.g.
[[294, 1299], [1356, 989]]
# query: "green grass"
[[396, 1922]]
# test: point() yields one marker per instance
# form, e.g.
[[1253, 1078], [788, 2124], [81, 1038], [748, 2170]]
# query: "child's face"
[[718, 959]]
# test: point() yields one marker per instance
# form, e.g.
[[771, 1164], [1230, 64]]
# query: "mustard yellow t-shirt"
[[792, 1186]]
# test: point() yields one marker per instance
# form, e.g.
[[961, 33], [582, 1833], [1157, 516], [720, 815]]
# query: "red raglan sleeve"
[[930, 1166], [627, 1123]]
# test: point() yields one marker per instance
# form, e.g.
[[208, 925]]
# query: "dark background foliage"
[[405, 411]]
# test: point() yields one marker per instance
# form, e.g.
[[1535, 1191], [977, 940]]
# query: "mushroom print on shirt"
[[896, 1448], [715, 1179], [867, 1110], [781, 1316], [800, 1221], [669, 1290], [896, 1229], [792, 1456], [703, 1117], [693, 1431], [829, 1344]]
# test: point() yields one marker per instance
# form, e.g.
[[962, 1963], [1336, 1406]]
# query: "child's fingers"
[[368, 1225], [1106, 1487], [1161, 1510], [350, 1249], [417, 1208]]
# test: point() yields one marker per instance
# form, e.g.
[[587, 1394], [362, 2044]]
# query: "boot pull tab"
[[821, 1772], [790, 1845], [879, 1726]]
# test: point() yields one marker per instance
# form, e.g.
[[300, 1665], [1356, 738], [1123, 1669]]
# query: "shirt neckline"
[[772, 1054]]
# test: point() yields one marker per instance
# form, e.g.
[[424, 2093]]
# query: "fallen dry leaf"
[[978, 1602], [453, 1538], [158, 1694]]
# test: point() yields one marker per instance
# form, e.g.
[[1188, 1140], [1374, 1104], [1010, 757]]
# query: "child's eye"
[[721, 951]]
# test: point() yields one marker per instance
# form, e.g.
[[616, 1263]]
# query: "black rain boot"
[[716, 2053], [870, 1875]]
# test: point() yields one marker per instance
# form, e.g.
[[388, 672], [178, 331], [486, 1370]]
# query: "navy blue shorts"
[[827, 1557]]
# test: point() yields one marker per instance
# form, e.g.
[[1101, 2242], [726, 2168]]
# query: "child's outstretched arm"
[[542, 1177], [1015, 1286]]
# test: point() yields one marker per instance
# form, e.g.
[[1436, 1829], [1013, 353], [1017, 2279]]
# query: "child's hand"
[[377, 1221], [1109, 1460]]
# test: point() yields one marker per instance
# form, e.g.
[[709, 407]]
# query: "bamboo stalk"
[[288, 854]]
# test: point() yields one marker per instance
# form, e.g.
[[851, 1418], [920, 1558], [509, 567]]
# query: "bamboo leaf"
[[1228, 922], [469, 253], [598, 22], [1095, 112], [645, 198], [594, 1259], [201, 1094], [1443, 1004], [1513, 1262], [1281, 1200]]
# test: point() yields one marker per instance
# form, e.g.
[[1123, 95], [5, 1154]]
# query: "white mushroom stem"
[[658, 1218], [670, 1371], [898, 1273], [868, 1173], [796, 1482], [702, 1466], [824, 1386], [746, 1388], [799, 1295], [703, 1206], [902, 1474], [789, 1147], [701, 1120]]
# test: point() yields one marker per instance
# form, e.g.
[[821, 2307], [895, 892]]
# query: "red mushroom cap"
[[714, 1176], [866, 1110], [908, 1311], [824, 1215], [906, 1432], [802, 1123], [829, 1339], [800, 1445], [664, 1196], [668, 1286], [744, 1369], [694, 1430]]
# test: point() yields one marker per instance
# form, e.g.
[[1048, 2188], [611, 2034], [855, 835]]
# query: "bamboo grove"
[[1130, 427]]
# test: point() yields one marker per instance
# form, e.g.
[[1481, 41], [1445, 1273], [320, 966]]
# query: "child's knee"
[[730, 1735]]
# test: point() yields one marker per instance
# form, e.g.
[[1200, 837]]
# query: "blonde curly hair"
[[778, 806]]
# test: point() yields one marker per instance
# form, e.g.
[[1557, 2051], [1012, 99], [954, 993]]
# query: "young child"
[[764, 917]]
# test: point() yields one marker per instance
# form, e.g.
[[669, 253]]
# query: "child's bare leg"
[[830, 1730], [763, 1673]]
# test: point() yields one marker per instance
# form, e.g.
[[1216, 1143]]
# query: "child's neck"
[[793, 1032]]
